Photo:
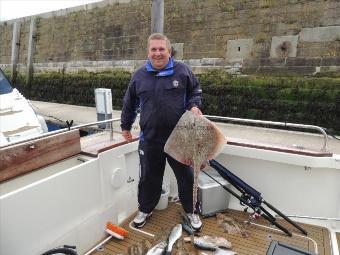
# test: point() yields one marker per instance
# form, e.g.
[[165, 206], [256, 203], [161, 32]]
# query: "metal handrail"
[[264, 122], [274, 123], [65, 130]]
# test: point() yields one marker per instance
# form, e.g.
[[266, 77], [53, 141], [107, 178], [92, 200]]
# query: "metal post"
[[106, 118], [30, 53], [105, 109], [15, 51], [111, 131], [157, 16]]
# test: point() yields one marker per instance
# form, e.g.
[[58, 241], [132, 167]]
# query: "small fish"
[[133, 250], [209, 243], [140, 248], [231, 226], [186, 224], [205, 245], [175, 234], [158, 249], [224, 252], [201, 244], [147, 244]]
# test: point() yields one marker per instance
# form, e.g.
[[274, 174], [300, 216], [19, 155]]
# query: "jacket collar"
[[166, 71]]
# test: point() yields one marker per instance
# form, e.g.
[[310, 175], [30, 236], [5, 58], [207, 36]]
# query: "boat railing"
[[211, 117], [277, 124], [109, 122]]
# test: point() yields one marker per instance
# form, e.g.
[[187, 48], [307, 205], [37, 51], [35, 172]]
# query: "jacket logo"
[[175, 83]]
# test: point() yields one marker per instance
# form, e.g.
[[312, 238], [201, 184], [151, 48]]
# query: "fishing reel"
[[255, 215], [247, 198]]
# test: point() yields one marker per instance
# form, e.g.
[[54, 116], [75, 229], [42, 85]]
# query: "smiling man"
[[163, 89], [159, 53]]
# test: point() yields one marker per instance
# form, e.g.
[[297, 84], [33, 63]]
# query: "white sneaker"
[[195, 221], [140, 219]]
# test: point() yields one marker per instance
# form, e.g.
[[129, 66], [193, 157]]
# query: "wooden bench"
[[23, 158], [93, 145]]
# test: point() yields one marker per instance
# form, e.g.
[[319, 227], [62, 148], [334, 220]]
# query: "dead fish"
[[201, 244], [133, 250], [205, 246], [158, 249], [147, 245], [231, 226], [209, 243], [186, 224], [140, 248], [224, 252], [193, 141], [175, 234]]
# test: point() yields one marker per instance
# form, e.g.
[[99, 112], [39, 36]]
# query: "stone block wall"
[[111, 32], [5, 43], [23, 49], [284, 36]]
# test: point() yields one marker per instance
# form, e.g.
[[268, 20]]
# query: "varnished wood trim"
[[305, 152], [98, 147], [23, 158]]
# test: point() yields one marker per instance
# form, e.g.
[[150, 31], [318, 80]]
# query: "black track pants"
[[152, 164]]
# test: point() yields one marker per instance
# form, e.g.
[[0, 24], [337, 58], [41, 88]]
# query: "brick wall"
[[254, 34]]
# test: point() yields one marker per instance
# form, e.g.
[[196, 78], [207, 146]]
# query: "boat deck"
[[258, 241]]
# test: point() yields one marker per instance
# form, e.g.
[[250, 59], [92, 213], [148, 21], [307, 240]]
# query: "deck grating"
[[258, 242]]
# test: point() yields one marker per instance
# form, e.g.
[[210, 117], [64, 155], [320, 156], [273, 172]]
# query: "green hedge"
[[314, 101], [77, 88]]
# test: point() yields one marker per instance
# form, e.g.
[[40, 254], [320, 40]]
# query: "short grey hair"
[[159, 36]]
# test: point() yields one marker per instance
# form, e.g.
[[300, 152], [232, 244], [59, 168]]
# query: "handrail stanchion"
[[111, 130]]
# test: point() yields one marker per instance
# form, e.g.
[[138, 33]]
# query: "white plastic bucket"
[[163, 200]]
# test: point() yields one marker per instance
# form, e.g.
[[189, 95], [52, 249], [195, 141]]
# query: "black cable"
[[66, 249]]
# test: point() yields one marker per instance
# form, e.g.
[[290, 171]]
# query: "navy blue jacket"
[[162, 101]]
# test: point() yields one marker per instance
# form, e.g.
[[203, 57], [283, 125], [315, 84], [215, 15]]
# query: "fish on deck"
[[209, 242], [175, 234], [158, 249]]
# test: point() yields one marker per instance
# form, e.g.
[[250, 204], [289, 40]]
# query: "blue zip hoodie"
[[162, 100]]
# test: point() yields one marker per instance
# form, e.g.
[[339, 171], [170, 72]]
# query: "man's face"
[[158, 53]]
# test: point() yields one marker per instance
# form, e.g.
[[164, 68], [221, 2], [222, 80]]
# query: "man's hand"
[[127, 135], [203, 165], [195, 110]]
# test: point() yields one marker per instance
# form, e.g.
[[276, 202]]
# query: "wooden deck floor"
[[258, 241]]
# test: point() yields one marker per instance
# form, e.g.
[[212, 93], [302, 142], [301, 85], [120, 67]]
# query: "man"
[[163, 89]]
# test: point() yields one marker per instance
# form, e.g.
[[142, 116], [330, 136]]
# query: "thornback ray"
[[194, 140]]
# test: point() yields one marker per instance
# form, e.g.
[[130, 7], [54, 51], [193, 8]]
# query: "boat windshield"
[[5, 86]]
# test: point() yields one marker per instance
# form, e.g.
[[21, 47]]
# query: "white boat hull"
[[71, 201]]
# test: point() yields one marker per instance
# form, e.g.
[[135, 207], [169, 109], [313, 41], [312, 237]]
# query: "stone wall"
[[5, 43], [282, 36]]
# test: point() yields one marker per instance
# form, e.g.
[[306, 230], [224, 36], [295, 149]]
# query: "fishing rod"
[[251, 197]]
